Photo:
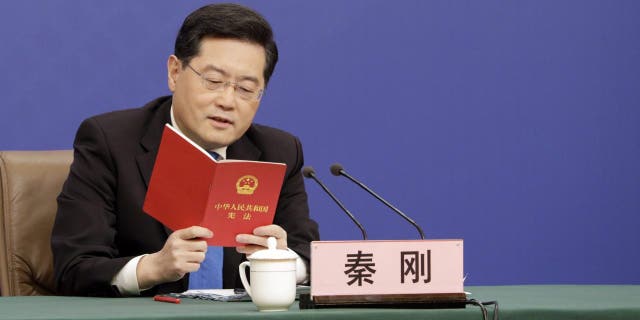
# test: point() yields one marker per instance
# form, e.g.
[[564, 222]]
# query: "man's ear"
[[173, 71]]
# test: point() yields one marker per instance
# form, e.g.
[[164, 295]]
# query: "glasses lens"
[[215, 83]]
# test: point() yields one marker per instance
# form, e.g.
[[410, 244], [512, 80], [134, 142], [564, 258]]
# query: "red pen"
[[163, 298]]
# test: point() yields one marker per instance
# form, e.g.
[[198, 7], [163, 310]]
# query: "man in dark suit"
[[102, 241]]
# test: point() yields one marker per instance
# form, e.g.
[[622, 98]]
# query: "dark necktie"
[[209, 276]]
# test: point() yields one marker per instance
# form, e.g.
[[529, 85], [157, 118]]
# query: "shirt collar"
[[222, 151]]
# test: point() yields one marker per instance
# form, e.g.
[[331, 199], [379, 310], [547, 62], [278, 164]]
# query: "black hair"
[[227, 21]]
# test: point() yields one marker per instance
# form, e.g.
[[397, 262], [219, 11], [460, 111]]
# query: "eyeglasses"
[[216, 83]]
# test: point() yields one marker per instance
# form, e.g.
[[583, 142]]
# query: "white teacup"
[[273, 278]]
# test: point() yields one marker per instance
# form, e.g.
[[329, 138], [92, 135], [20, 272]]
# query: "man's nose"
[[227, 96]]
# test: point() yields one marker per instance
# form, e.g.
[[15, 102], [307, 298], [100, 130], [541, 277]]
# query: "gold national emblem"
[[246, 185]]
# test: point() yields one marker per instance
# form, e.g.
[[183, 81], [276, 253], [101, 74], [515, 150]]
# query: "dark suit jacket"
[[100, 224]]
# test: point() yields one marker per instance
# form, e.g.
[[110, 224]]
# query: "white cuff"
[[126, 280], [301, 269]]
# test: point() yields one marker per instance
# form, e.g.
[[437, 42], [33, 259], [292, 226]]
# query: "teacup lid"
[[272, 253]]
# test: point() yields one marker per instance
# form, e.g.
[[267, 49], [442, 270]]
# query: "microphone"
[[308, 172], [338, 170]]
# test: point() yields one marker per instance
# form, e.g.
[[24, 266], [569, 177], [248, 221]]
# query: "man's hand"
[[258, 240], [182, 253]]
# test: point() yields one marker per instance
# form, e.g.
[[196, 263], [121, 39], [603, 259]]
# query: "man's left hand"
[[258, 240]]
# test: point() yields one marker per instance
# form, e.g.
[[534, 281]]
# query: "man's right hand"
[[182, 253]]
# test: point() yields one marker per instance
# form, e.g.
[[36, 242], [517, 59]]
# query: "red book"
[[188, 188]]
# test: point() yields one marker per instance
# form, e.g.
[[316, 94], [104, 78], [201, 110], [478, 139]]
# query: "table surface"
[[515, 302]]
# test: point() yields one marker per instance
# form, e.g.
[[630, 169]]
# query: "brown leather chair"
[[30, 182]]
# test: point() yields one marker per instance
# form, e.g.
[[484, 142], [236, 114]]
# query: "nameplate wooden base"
[[386, 273], [406, 301]]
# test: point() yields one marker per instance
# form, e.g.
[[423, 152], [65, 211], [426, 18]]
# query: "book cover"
[[188, 187]]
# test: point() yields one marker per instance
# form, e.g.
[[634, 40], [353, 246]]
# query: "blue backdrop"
[[511, 124]]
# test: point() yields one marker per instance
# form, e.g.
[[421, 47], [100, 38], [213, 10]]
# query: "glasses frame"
[[257, 95]]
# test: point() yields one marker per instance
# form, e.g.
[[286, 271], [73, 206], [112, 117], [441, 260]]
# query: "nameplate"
[[352, 270]]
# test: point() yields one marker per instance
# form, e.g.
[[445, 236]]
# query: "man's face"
[[216, 118]]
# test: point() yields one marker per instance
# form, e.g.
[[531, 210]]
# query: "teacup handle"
[[243, 276]]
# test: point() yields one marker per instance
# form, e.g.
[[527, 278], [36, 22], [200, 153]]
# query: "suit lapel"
[[243, 149], [150, 143]]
